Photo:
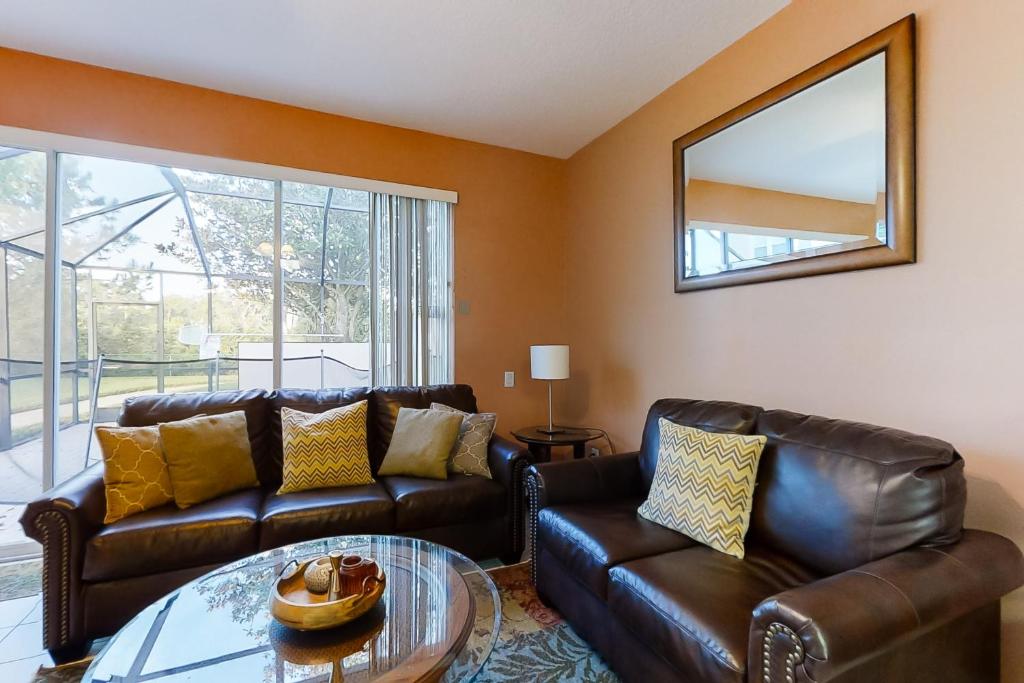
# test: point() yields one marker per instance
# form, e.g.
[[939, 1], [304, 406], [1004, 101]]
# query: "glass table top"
[[438, 619]]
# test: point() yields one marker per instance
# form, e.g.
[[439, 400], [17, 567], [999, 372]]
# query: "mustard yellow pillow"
[[135, 475], [208, 456], [326, 449], [421, 444], [704, 485]]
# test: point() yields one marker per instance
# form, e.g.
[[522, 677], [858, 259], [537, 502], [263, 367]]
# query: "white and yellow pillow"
[[135, 474], [323, 450], [704, 485]]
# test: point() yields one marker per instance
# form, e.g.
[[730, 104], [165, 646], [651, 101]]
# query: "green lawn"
[[27, 394]]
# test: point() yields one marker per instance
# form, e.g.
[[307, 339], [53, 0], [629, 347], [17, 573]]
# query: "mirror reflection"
[[802, 178]]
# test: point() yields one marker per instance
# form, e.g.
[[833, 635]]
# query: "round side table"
[[540, 443]]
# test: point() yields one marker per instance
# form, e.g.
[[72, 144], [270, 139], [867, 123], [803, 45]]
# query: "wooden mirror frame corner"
[[897, 43]]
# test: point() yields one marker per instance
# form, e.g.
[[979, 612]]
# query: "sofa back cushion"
[[711, 416], [142, 411], [309, 401], [387, 401], [836, 494]]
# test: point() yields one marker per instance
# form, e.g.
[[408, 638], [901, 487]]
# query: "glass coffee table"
[[437, 620]]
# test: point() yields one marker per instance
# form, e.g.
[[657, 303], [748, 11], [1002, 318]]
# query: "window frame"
[[54, 144]]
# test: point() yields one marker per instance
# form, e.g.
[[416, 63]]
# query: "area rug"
[[20, 579], [534, 643]]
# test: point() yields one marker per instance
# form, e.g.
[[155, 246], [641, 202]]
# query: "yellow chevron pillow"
[[323, 450], [704, 485]]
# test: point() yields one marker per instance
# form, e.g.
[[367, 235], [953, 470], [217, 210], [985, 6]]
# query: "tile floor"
[[21, 639], [22, 657]]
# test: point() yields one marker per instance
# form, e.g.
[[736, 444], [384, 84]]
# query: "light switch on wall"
[[510, 379]]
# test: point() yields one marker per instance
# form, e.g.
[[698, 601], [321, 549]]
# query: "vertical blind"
[[411, 302]]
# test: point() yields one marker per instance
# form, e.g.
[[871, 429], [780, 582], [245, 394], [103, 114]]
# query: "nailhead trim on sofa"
[[44, 522], [533, 495], [795, 652]]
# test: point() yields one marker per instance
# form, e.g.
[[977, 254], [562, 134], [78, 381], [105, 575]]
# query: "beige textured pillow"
[[208, 456], [469, 455], [421, 444], [704, 485], [135, 475], [323, 450]]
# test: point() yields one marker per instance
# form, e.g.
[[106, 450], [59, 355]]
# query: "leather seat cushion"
[[590, 538], [425, 503], [166, 538], [694, 606], [319, 513]]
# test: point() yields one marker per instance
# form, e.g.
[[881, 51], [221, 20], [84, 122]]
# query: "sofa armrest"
[[63, 520], [594, 479], [589, 480], [507, 460], [820, 630]]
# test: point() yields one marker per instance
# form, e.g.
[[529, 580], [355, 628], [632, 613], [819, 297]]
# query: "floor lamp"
[[549, 362]]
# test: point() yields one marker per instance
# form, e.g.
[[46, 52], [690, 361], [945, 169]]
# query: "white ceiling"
[[545, 76], [827, 141]]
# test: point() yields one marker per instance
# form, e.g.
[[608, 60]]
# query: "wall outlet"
[[595, 451], [510, 379], [463, 307]]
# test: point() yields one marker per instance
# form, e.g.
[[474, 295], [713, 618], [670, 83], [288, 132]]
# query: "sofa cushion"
[[590, 538], [421, 444], [387, 401], [694, 606], [166, 538], [711, 416], [208, 456], [425, 503], [469, 455], [704, 485], [142, 411], [310, 401], [304, 515], [839, 494], [135, 475], [324, 450]]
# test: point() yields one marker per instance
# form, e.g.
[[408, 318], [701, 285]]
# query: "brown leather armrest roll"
[[64, 519], [506, 460], [818, 631], [604, 477], [80, 499], [503, 459]]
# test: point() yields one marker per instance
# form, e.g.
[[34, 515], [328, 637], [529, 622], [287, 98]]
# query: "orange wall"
[[934, 347], [707, 200], [509, 223]]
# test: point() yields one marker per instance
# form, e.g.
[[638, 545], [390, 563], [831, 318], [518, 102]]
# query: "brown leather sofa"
[[96, 577], [857, 566]]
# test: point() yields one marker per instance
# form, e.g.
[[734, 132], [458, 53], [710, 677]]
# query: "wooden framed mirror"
[[814, 176]]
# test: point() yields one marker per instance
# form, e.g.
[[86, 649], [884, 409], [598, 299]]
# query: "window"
[[192, 277], [714, 251]]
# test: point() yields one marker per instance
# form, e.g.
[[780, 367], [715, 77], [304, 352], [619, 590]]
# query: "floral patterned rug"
[[534, 643], [20, 579]]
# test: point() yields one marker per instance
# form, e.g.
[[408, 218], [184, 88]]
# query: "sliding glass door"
[[125, 277]]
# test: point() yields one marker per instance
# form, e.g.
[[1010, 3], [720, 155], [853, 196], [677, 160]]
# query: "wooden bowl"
[[295, 607]]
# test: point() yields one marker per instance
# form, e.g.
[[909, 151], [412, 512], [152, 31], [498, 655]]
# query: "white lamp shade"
[[549, 361]]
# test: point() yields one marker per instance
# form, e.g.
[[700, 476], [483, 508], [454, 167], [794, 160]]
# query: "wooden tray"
[[295, 607]]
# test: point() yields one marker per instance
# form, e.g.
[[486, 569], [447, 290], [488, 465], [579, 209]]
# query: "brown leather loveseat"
[[96, 577], [857, 566]]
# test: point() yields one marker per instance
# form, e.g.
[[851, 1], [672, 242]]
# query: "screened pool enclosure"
[[173, 280]]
